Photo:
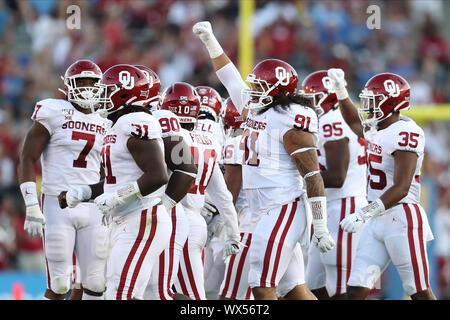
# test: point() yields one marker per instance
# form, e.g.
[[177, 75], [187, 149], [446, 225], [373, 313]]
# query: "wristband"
[[319, 209], [129, 192], [29, 193], [373, 209], [168, 202], [341, 93], [213, 46]]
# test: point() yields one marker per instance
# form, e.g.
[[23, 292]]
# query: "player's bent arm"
[[337, 156], [182, 166], [350, 115], [233, 179], [404, 169], [226, 71], [149, 158], [301, 145], [34, 144], [348, 109]]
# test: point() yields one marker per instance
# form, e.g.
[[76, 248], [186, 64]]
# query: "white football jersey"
[[232, 155], [209, 179], [170, 127], [213, 129], [332, 127], [403, 135], [72, 156], [119, 165], [204, 151], [266, 164]]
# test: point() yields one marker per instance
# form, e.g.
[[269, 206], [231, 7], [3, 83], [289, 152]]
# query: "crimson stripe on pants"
[[241, 266], [421, 243], [412, 248], [270, 245], [349, 242], [190, 274], [181, 280], [229, 270], [248, 295], [281, 242], [161, 276], [43, 243], [339, 249], [130, 257], [144, 252], [172, 251]]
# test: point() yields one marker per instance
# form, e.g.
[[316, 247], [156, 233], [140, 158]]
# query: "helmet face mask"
[[317, 87], [317, 99], [79, 90], [84, 96], [369, 111]]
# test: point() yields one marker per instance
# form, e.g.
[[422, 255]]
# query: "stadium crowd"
[[36, 47]]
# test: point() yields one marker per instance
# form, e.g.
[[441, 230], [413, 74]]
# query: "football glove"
[[78, 194], [204, 31], [34, 221], [231, 247]]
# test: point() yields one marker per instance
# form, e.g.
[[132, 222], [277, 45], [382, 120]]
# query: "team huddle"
[[276, 192]]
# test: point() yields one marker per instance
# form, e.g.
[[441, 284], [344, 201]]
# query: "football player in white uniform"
[[181, 177], [131, 195], [182, 99], [279, 143], [68, 138], [396, 227], [343, 168], [210, 122], [235, 281]]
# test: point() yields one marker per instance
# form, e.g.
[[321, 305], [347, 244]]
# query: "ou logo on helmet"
[[149, 78], [392, 88], [326, 81], [126, 79], [282, 75]]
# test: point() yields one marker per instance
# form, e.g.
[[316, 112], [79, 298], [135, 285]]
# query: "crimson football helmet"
[[232, 119], [182, 99], [318, 86], [122, 85], [210, 101], [155, 86], [266, 80], [383, 94], [85, 97]]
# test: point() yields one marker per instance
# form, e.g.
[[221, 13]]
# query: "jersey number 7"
[[81, 162]]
